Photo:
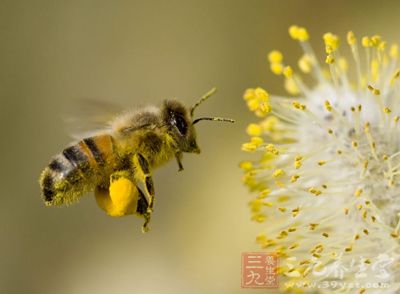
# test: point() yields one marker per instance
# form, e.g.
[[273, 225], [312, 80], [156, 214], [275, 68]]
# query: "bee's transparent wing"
[[90, 116]]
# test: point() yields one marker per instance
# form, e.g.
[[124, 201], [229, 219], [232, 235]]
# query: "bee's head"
[[180, 122]]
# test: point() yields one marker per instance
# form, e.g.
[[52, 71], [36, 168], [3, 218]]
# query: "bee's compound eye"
[[180, 124]]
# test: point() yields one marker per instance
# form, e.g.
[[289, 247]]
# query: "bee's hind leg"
[[142, 210], [120, 197], [142, 174]]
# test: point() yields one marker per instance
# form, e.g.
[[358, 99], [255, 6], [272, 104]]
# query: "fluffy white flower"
[[327, 174]]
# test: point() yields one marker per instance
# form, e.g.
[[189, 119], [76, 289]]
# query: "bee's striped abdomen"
[[76, 169]]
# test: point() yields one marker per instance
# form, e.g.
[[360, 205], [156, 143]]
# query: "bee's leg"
[[121, 197], [142, 210], [178, 157], [143, 175]]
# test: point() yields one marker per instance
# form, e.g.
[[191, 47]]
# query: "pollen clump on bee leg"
[[120, 199], [338, 141]]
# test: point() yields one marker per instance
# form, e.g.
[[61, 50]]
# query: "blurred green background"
[[140, 52]]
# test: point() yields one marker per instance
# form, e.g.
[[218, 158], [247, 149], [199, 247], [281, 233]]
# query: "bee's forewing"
[[89, 116]]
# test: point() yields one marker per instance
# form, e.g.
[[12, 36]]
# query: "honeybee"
[[117, 162]]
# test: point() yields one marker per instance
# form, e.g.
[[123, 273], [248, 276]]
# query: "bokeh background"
[[140, 52]]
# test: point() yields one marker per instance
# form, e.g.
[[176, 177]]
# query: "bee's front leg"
[[178, 157]]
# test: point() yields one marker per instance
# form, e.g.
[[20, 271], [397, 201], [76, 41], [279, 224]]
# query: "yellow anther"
[[282, 209], [313, 226], [387, 110], [346, 211], [366, 42], [396, 119], [246, 165], [249, 94], [264, 193], [396, 75], [275, 56], [254, 130], [278, 173], [305, 63], [259, 218], [358, 192], [294, 178], [261, 94], [258, 101], [288, 72], [366, 232], [321, 162], [376, 40], [256, 205], [249, 147], [394, 51], [374, 90], [294, 245], [295, 211], [324, 186], [253, 104], [257, 141], [348, 249], [276, 68], [303, 34], [382, 46], [298, 33], [272, 149], [359, 107], [328, 106], [297, 164], [366, 127], [261, 238], [269, 204], [329, 59], [298, 105], [326, 235], [354, 144], [283, 234], [330, 131], [293, 32], [315, 191], [298, 158], [385, 157], [356, 237], [265, 108], [351, 39], [331, 42]]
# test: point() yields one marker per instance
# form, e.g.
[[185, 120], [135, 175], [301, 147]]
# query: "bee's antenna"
[[214, 119], [202, 99]]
